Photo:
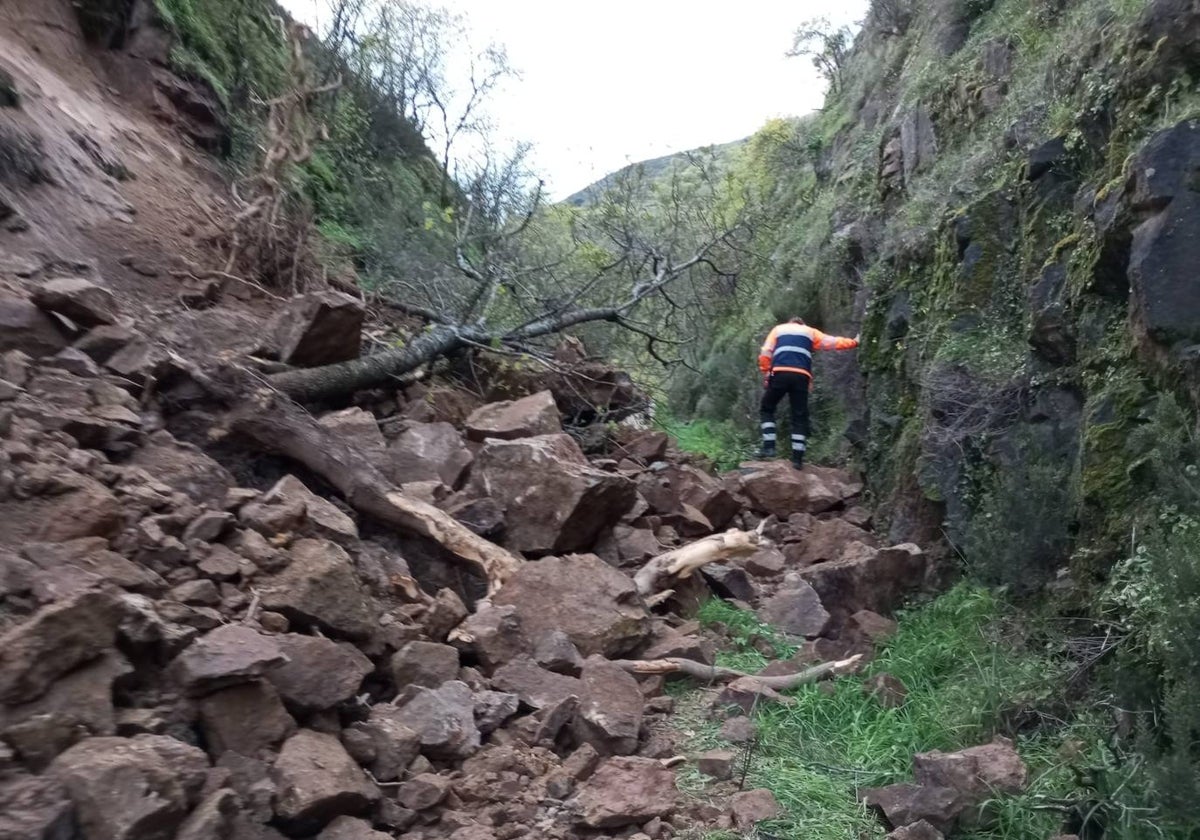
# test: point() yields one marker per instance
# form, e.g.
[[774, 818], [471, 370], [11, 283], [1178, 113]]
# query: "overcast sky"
[[609, 82]]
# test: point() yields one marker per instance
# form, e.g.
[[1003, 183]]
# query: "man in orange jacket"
[[786, 363]]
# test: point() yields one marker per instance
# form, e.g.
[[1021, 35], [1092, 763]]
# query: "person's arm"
[[832, 342], [768, 350]]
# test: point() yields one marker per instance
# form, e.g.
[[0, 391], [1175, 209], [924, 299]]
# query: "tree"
[[825, 45]]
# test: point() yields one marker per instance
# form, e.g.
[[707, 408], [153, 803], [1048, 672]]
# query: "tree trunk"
[[284, 427]]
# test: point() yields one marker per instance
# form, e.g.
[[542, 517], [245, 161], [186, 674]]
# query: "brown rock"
[[446, 612], [553, 499], [537, 687], [739, 730], [493, 708], [355, 426], [646, 447], [717, 763], [977, 772], [324, 517], [873, 626], [101, 343], [751, 807], [556, 652], [80, 300], [443, 718], [669, 643], [635, 545], [231, 654], [610, 710], [423, 791], [89, 510], [593, 603], [251, 779], [920, 830], [747, 693], [796, 610], [320, 587], [423, 663], [766, 562], [428, 452], [496, 635], [183, 468], [317, 781], [482, 516], [35, 807], [626, 791], [319, 328], [26, 328], [393, 744], [888, 690], [319, 674], [213, 819], [876, 580], [86, 562], [53, 641], [777, 488], [527, 417], [351, 828], [247, 719], [827, 540], [202, 592], [904, 804]]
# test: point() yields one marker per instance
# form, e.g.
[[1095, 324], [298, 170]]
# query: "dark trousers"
[[795, 386]]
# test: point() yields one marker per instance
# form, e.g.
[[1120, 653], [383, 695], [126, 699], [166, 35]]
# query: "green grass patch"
[[967, 665], [722, 442]]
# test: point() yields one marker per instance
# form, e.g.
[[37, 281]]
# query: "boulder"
[[827, 540], [88, 510], [873, 626], [904, 804], [35, 807], [747, 693], [581, 595], [766, 562], [351, 828], [55, 640], [977, 773], [556, 652], [214, 818], [626, 791], [529, 416], [535, 686], [247, 719], [920, 830], [443, 719], [645, 447], [553, 499], [493, 708], [78, 299], [428, 452], [496, 635], [669, 643], [635, 546], [731, 582], [231, 654], [610, 709], [26, 328], [423, 663], [84, 563], [423, 791], [751, 807], [796, 610], [323, 516], [445, 612], [76, 706], [183, 468], [776, 488], [879, 581], [355, 426], [393, 744], [717, 764], [318, 781], [320, 587], [319, 328], [319, 674], [131, 788], [700, 490]]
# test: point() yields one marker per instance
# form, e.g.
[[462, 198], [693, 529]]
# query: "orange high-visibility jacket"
[[789, 347]]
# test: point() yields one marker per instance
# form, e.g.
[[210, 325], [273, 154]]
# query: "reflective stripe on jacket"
[[789, 347]]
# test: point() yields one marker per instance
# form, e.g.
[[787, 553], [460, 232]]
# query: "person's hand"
[[857, 338]]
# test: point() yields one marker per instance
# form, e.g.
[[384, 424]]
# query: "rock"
[[324, 517], [484, 517], [626, 791], [703, 492], [319, 328], [739, 730], [102, 343], [423, 663], [394, 745], [89, 510], [556, 652], [635, 545], [321, 588], [444, 613], [202, 592], [355, 426], [80, 300], [55, 640], [874, 580], [827, 540], [26, 328], [537, 687], [443, 719], [888, 690], [669, 643], [581, 595], [977, 773], [905, 804], [350, 828], [766, 562], [247, 719], [746, 693], [730, 582], [251, 779], [496, 635], [920, 830], [796, 610], [319, 674], [646, 447], [527, 417], [428, 451], [130, 788], [610, 710], [717, 763], [554, 500], [36, 808], [208, 526], [317, 781], [873, 626], [63, 569], [423, 791], [213, 819], [183, 468], [751, 807], [776, 488], [493, 708], [231, 654]]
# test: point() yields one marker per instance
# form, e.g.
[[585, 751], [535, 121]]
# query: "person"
[[786, 363]]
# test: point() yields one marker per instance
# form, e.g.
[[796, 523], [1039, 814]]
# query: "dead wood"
[[712, 673], [659, 571]]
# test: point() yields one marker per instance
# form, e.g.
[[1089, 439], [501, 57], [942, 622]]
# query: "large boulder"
[[318, 781], [594, 604], [877, 580], [673, 489], [904, 804], [230, 654], [131, 788], [554, 500], [319, 674], [26, 328], [777, 488], [796, 609], [527, 417], [827, 540], [320, 587], [624, 791], [55, 640], [443, 718], [977, 773], [428, 452], [610, 710], [319, 328], [78, 299]]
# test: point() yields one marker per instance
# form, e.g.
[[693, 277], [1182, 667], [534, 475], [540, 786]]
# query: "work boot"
[[798, 460], [765, 453]]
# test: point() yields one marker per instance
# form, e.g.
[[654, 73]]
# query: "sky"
[[610, 82]]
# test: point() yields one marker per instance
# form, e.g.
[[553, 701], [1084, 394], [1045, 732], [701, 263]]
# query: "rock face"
[[624, 791], [554, 500], [596, 606], [318, 781], [527, 417], [319, 329]]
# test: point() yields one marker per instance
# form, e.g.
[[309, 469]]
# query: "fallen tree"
[[712, 673], [656, 575]]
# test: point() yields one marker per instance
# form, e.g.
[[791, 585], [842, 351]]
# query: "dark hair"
[[796, 320]]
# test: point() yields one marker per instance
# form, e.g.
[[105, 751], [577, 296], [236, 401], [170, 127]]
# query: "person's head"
[[796, 320]]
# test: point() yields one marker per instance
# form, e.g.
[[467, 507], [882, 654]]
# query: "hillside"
[[652, 169]]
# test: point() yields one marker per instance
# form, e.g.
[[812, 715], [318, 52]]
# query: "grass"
[[965, 664], [722, 442]]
